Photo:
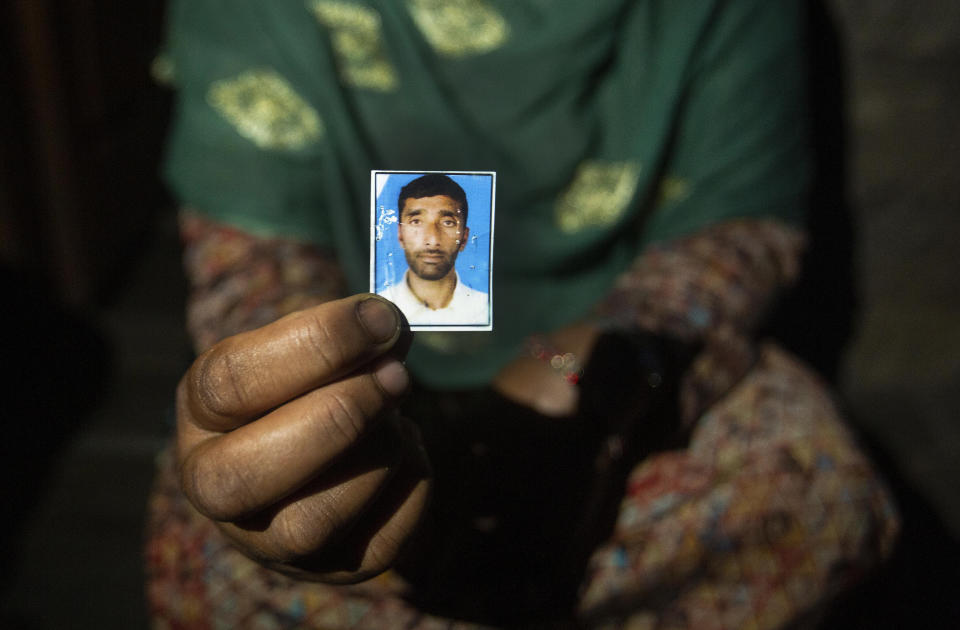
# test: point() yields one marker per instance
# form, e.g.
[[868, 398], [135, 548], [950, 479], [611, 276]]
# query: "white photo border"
[[374, 223]]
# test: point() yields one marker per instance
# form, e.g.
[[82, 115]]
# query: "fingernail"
[[393, 377], [378, 319]]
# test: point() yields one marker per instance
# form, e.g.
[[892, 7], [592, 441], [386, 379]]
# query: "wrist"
[[566, 364], [534, 381]]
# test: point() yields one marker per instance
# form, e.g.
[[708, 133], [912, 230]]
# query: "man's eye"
[[449, 223], [414, 222]]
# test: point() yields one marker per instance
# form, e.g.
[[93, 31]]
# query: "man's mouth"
[[432, 257]]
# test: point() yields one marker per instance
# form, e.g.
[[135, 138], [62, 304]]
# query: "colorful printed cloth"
[[650, 155], [771, 511], [767, 512]]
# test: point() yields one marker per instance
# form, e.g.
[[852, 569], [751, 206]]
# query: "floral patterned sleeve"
[[712, 287], [722, 277], [770, 509], [239, 281]]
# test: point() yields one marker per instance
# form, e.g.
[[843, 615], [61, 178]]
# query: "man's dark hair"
[[431, 185]]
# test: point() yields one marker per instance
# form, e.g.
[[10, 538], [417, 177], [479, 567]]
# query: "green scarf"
[[612, 124]]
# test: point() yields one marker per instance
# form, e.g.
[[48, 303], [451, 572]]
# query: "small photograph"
[[432, 246]]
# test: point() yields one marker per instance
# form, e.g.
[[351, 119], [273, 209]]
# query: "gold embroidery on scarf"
[[672, 189], [163, 71], [265, 109], [598, 195], [357, 40], [457, 28]]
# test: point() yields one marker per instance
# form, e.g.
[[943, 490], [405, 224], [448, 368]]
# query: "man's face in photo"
[[432, 233]]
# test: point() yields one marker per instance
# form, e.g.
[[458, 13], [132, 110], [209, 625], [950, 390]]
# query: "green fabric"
[[681, 113]]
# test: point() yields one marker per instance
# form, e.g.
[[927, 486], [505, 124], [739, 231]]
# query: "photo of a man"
[[432, 231]]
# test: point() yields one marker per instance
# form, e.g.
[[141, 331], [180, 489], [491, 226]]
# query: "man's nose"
[[431, 234]]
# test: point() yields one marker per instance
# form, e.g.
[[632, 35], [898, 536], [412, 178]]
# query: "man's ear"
[[463, 239]]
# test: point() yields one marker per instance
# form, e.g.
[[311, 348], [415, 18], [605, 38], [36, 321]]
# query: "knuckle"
[[345, 420], [216, 491], [303, 528], [216, 386], [294, 540], [382, 552], [323, 341], [196, 487]]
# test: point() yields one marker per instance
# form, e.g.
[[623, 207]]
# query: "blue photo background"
[[473, 263]]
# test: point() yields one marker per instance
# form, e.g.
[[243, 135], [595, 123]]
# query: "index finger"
[[246, 375]]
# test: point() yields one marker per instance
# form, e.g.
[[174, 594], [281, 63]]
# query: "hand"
[[287, 438], [531, 382]]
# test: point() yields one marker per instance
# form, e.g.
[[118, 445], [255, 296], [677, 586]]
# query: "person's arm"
[[287, 432], [286, 435], [721, 278], [710, 288]]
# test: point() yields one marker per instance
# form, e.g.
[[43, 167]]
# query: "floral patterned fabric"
[[240, 282], [768, 511]]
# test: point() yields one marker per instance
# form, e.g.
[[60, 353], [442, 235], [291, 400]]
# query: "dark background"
[[90, 282]]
